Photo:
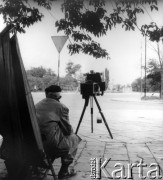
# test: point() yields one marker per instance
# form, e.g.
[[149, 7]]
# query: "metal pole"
[[103, 117], [91, 105], [58, 68], [141, 72], [145, 89]]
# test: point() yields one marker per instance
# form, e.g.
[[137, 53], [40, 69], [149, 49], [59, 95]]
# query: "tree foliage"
[[153, 31], [68, 81], [40, 77], [136, 84], [83, 19], [35, 83], [72, 69], [37, 72], [154, 74], [107, 79], [153, 81]]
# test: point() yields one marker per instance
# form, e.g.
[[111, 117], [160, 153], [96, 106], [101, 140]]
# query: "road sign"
[[59, 42]]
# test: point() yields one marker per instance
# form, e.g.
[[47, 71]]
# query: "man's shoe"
[[67, 174]]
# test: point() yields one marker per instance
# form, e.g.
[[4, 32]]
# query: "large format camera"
[[93, 85]]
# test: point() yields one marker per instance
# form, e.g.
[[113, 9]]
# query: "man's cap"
[[53, 89]]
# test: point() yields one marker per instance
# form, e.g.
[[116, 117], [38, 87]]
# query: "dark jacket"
[[53, 120]]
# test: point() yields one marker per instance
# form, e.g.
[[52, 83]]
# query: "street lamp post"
[[145, 85], [141, 72]]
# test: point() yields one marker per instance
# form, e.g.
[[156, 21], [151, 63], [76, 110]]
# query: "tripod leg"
[[81, 117], [91, 104], [103, 117]]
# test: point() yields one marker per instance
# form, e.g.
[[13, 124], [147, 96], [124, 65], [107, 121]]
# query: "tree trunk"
[[161, 93]]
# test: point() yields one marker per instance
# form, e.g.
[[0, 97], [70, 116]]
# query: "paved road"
[[129, 118]]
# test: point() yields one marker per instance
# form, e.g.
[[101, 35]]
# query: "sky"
[[125, 48]]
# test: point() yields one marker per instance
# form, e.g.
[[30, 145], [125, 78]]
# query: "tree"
[[68, 83], [83, 19], [39, 78], [37, 72], [50, 72], [154, 75], [136, 85], [47, 80], [155, 34], [35, 83], [72, 69], [159, 60], [107, 77]]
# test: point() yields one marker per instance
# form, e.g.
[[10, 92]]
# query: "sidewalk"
[[138, 135], [124, 153]]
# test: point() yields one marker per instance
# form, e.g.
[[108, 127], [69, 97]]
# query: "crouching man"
[[57, 133]]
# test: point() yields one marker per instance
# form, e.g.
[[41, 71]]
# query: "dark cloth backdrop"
[[18, 123]]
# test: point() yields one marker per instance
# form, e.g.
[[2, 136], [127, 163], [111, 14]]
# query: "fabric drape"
[[18, 123]]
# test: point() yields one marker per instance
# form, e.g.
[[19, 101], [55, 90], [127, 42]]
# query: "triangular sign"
[[59, 42]]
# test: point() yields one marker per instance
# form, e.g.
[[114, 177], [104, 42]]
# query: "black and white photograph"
[[81, 94]]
